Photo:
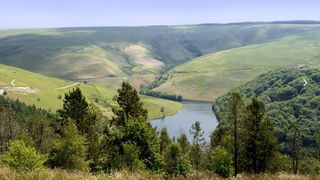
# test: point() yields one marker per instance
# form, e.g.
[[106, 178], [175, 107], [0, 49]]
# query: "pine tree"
[[260, 143], [184, 143], [9, 127], [129, 105], [198, 143], [40, 131], [220, 161], [94, 132], [233, 113], [165, 140], [177, 163], [75, 107], [69, 151], [130, 126], [295, 145]]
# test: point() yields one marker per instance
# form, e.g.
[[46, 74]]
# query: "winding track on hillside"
[[68, 86]]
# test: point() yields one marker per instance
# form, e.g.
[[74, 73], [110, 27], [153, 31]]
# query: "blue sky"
[[72, 13]]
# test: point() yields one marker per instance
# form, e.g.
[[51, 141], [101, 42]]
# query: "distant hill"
[[106, 55], [47, 92], [210, 76], [286, 99]]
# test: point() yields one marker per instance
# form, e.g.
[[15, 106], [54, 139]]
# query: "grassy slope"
[[138, 53], [46, 95], [210, 76]]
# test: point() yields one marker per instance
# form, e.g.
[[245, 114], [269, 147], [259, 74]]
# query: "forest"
[[80, 138]]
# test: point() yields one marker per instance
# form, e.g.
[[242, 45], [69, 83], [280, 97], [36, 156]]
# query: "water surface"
[[188, 115]]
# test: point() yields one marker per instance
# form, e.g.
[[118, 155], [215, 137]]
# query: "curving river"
[[188, 115]]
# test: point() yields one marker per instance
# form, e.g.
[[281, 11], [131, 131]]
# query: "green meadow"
[[209, 76], [45, 92]]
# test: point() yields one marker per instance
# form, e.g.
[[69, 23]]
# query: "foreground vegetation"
[[8, 174], [79, 139]]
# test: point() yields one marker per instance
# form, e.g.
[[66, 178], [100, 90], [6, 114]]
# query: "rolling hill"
[[212, 75], [47, 92], [107, 55]]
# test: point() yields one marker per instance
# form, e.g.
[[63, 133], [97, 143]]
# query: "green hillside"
[[209, 76], [106, 55], [286, 100], [44, 92]]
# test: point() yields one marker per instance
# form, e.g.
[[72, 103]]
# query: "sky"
[[75, 13]]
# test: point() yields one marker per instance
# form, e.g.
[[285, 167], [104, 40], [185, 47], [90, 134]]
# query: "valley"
[[107, 55]]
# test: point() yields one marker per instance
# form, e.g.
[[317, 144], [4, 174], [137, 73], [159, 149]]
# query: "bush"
[[177, 163], [22, 157], [221, 162], [69, 151]]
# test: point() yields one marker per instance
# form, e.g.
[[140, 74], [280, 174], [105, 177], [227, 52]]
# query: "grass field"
[[56, 174], [44, 91], [210, 76]]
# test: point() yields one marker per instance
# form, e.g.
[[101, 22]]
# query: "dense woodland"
[[80, 137], [292, 108]]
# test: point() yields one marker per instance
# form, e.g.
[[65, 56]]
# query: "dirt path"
[[68, 86]]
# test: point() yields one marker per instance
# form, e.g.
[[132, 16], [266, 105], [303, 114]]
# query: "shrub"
[[69, 151], [221, 162], [177, 163], [22, 157]]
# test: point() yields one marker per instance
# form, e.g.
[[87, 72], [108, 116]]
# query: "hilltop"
[[107, 55]]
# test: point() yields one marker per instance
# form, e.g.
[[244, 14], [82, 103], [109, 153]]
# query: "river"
[[188, 115]]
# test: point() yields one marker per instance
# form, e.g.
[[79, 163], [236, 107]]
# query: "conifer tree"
[[184, 143], [196, 154], [177, 163], [165, 140], [131, 132], [69, 151], [75, 107], [234, 113], [129, 105], [259, 141], [295, 145]]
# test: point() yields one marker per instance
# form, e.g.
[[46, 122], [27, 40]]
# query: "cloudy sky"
[[73, 13]]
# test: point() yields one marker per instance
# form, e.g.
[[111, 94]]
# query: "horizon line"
[[164, 25]]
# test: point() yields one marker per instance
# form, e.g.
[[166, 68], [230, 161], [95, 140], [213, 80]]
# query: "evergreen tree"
[[9, 127], [75, 107], [129, 105], [196, 154], [165, 140], [94, 120], [69, 151], [184, 143], [40, 131], [259, 141], [130, 126], [295, 145], [177, 163], [220, 161], [233, 113]]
